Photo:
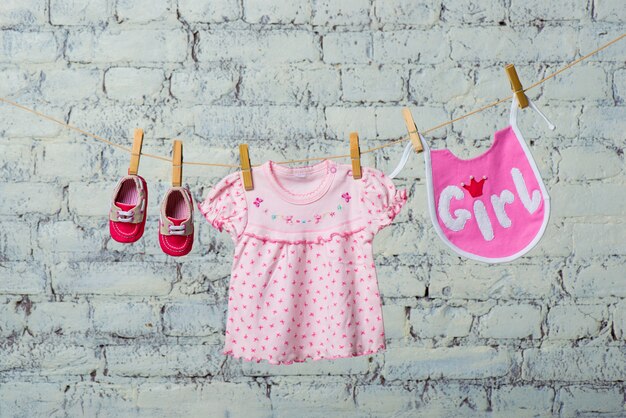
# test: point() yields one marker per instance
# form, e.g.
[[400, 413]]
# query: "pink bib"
[[494, 207]]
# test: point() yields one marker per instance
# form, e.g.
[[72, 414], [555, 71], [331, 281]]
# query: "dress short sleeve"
[[225, 206], [382, 200]]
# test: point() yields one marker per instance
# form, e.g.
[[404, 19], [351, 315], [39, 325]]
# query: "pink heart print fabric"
[[303, 282]]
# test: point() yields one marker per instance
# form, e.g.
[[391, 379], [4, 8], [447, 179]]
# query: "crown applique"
[[475, 188]]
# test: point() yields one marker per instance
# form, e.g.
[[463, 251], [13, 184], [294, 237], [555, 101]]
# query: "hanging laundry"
[[303, 282], [493, 207]]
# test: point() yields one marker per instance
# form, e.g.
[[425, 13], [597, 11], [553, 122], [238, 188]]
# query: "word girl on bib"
[[494, 207]]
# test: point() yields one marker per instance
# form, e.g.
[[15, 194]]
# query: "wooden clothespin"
[[177, 164], [355, 155], [516, 86], [135, 152], [246, 168], [412, 128]]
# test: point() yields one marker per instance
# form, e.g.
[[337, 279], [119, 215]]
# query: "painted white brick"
[[15, 239], [372, 84], [609, 11], [23, 12], [390, 125], [138, 46], [69, 85], [602, 200], [581, 400], [491, 84], [129, 278], [22, 278], [619, 85], [585, 83], [260, 47], [599, 239], [221, 398], [359, 365], [511, 321], [116, 121], [32, 398], [212, 11], [12, 321], [400, 281], [575, 364], [452, 399], [557, 242], [262, 122], [142, 11], [575, 321], [595, 280], [193, 319], [333, 399], [63, 160], [126, 319], [17, 123], [203, 86], [59, 317], [91, 199], [398, 239], [522, 400], [591, 162], [99, 398], [78, 12], [603, 122], [394, 317], [219, 72], [341, 12], [347, 47], [163, 360], [432, 321], [16, 81], [341, 121], [295, 12], [68, 237], [407, 12], [619, 320], [290, 85], [21, 198], [472, 12], [594, 36], [526, 11], [412, 46], [385, 400], [482, 282], [409, 363], [28, 47], [135, 85], [512, 45], [455, 84], [50, 358]]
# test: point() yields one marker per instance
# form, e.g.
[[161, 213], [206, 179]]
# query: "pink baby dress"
[[303, 282]]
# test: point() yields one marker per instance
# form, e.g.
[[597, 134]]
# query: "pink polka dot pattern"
[[308, 294]]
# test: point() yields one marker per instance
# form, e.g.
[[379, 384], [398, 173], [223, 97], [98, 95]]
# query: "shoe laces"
[[125, 215], [176, 229]]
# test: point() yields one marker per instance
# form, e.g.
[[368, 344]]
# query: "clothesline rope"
[[365, 151]]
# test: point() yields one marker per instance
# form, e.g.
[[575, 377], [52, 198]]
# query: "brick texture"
[[90, 327]]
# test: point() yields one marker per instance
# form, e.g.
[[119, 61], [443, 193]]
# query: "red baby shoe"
[[176, 222], [127, 217]]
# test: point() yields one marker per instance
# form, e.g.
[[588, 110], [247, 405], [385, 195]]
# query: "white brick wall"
[[90, 327]]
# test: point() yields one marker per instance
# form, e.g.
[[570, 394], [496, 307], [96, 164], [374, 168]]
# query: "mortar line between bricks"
[[366, 151]]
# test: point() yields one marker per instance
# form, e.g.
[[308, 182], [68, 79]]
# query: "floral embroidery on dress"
[[346, 196], [257, 202], [317, 218]]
